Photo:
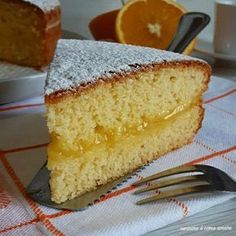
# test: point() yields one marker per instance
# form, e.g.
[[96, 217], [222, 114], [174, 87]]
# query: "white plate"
[[18, 82], [206, 47]]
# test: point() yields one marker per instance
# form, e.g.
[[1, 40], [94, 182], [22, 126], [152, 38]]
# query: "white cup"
[[225, 27]]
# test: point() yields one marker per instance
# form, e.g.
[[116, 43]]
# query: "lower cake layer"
[[73, 174]]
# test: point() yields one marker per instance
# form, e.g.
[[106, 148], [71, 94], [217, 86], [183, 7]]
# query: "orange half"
[[150, 23]]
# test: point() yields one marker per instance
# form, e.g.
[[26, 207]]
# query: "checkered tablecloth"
[[23, 141]]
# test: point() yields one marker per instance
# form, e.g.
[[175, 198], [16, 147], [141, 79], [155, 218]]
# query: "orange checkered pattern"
[[23, 143]]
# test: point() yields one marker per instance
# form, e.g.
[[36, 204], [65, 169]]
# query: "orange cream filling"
[[58, 149]]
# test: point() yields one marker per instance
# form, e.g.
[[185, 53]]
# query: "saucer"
[[206, 47]]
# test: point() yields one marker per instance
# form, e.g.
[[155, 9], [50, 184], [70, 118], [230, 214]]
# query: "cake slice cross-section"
[[112, 108]]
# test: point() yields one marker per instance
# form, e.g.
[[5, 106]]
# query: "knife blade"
[[39, 191]]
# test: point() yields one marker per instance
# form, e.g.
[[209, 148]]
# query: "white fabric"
[[116, 214]]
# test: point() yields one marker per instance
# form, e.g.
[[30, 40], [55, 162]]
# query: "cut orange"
[[150, 23]]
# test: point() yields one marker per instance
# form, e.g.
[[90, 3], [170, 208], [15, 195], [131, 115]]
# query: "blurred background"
[[76, 14]]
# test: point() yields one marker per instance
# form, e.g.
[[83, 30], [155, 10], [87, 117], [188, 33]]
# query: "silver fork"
[[214, 178]]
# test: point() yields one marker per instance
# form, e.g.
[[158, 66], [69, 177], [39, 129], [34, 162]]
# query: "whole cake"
[[29, 30], [112, 108]]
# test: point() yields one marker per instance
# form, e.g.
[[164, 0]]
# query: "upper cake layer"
[[45, 5], [78, 62]]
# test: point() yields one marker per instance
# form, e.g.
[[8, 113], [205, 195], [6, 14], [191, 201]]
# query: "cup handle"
[[190, 25]]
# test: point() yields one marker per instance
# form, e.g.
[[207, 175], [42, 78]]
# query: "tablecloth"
[[23, 141]]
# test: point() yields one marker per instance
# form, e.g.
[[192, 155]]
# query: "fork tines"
[[202, 177]]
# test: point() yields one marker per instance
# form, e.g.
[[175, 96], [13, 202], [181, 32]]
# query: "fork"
[[214, 178]]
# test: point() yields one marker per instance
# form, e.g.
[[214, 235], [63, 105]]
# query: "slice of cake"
[[29, 30], [112, 108]]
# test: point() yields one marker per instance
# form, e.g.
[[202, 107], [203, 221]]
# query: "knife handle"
[[190, 25]]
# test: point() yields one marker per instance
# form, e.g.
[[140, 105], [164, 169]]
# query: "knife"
[[39, 191]]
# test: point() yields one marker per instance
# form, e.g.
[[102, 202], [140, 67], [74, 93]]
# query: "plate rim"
[[216, 55]]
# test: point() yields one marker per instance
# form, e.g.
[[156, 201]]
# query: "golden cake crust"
[[61, 95], [53, 33]]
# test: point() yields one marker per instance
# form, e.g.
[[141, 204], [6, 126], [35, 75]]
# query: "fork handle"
[[190, 25]]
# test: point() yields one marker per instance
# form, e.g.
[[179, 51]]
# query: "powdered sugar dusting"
[[78, 62], [45, 5]]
